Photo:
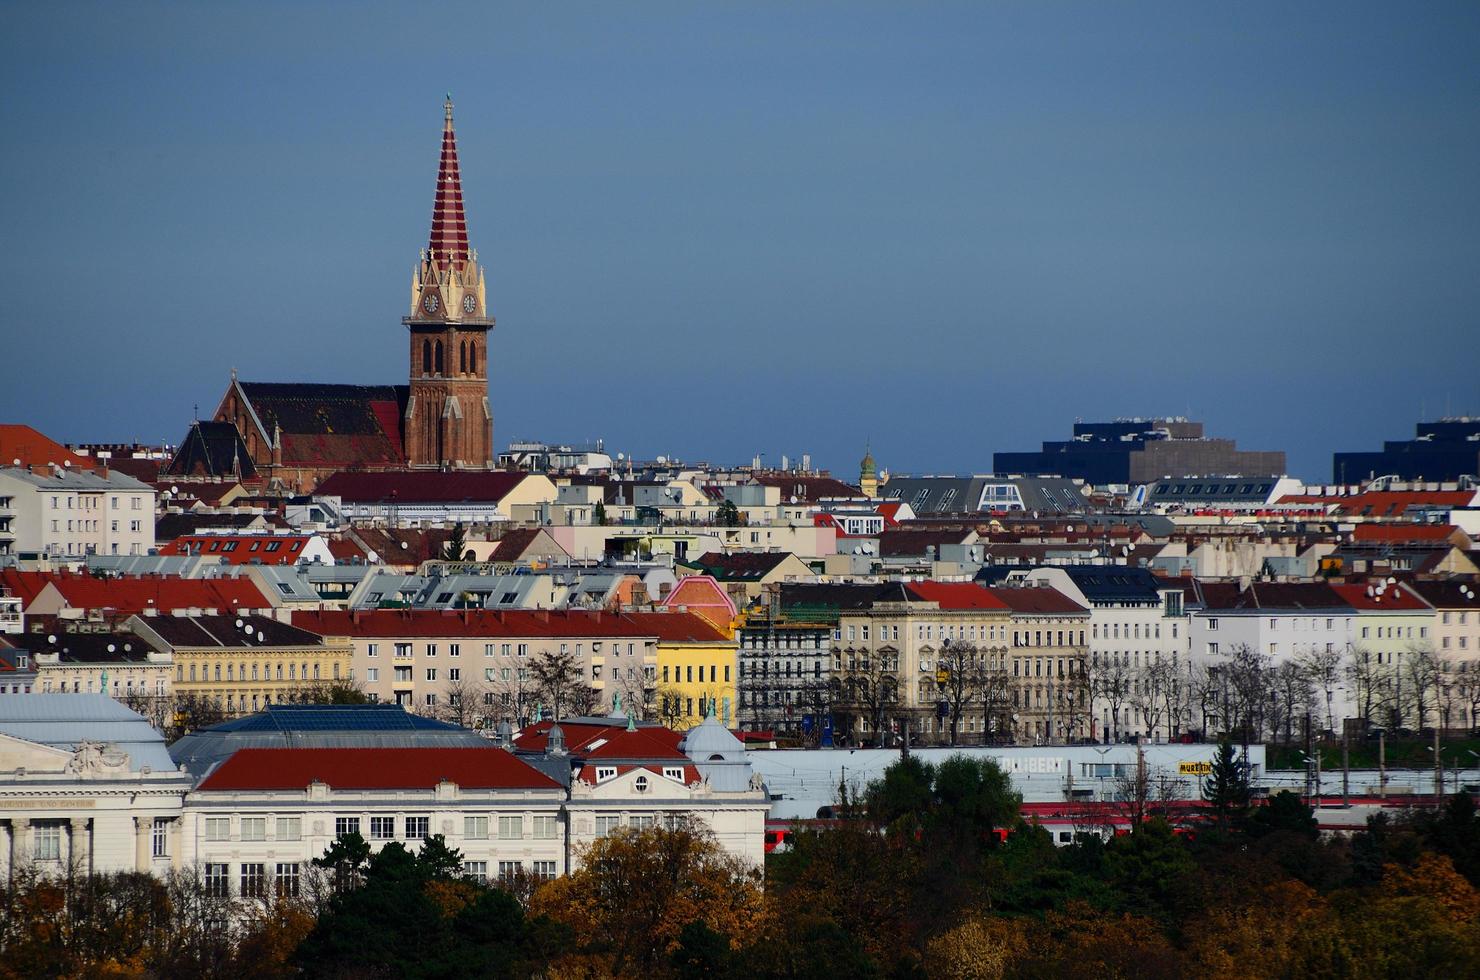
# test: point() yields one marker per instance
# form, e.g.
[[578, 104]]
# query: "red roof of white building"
[[475, 623], [956, 595], [375, 768]]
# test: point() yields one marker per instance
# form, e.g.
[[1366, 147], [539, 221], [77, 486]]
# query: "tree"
[[558, 679], [1323, 668], [1422, 675], [635, 891], [598, 514], [1285, 812], [868, 686], [1111, 684], [1226, 788], [329, 692], [728, 515], [959, 670], [455, 549], [462, 702]]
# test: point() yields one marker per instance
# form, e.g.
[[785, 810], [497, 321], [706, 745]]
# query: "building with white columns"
[[85, 785]]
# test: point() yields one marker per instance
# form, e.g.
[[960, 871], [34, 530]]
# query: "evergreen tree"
[[1226, 788], [456, 545], [598, 514]]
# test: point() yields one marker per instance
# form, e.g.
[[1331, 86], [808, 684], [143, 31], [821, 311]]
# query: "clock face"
[[430, 303], [470, 303]]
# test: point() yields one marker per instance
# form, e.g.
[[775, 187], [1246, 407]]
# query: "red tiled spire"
[[449, 240]]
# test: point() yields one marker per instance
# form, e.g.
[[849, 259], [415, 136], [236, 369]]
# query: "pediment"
[[19, 753]]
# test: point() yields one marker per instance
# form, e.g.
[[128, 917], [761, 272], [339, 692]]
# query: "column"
[[79, 851], [6, 860], [20, 833], [142, 828], [176, 838]]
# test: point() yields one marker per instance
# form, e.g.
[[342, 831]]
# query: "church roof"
[[212, 449], [332, 424], [449, 239]]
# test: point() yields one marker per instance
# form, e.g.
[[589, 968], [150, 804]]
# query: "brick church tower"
[[448, 424]]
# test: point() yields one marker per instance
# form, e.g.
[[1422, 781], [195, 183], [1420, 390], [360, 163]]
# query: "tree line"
[[913, 879]]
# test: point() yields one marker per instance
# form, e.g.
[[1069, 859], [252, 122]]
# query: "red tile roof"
[[1383, 503], [473, 623], [410, 488], [375, 768], [587, 740], [1039, 601], [956, 595], [162, 592], [21, 442], [1393, 597], [241, 549]]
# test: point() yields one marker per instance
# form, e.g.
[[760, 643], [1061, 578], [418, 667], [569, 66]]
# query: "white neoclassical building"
[[85, 785]]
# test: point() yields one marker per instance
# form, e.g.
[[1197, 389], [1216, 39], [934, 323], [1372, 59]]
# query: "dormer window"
[[603, 773], [674, 773]]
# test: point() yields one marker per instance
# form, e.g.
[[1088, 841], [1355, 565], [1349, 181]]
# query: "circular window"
[[640, 784]]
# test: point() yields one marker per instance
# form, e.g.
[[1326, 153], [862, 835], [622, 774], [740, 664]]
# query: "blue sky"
[[714, 230]]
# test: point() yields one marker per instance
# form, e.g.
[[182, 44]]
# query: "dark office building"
[[1138, 451], [1444, 450]]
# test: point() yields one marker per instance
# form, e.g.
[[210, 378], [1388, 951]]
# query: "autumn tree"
[[960, 676], [635, 891]]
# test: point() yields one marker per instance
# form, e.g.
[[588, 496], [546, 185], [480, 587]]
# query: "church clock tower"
[[448, 424]]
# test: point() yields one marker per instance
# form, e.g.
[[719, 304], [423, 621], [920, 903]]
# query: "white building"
[[85, 784], [63, 512]]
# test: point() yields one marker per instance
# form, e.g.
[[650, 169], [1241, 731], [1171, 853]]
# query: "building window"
[[372, 674], [475, 828], [253, 880], [218, 880], [476, 871], [287, 880], [372, 650], [418, 828], [346, 825], [254, 828], [382, 828], [431, 700], [510, 828], [289, 828], [509, 870], [606, 825], [47, 842], [544, 870], [218, 828], [544, 828]]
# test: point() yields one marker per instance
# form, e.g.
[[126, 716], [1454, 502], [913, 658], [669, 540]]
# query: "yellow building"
[[697, 667], [241, 663]]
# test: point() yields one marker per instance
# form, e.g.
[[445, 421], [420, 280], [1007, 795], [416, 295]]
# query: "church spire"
[[448, 245]]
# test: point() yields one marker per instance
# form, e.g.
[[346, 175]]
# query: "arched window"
[[426, 357], [192, 671], [462, 357], [280, 672], [437, 358], [218, 672], [473, 357], [315, 671], [292, 672], [228, 672], [254, 672]]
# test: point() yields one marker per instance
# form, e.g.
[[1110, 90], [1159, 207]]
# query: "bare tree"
[[1202, 686], [1421, 673], [958, 680], [1141, 793], [462, 703], [1111, 685], [1290, 697], [637, 690], [1465, 682], [1147, 695], [1323, 668], [995, 697], [1366, 676], [559, 679], [1247, 691], [868, 686], [511, 695]]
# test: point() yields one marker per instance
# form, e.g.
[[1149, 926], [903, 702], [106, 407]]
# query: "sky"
[[714, 230]]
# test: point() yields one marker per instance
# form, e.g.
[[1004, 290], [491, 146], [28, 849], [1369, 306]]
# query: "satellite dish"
[[110, 648], [51, 638], [238, 624]]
